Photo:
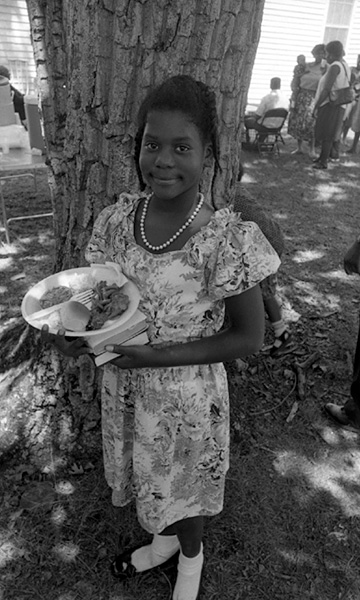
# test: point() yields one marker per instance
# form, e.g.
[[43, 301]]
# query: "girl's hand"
[[136, 357], [72, 347]]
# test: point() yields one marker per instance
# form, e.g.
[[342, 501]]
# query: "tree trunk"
[[95, 60]]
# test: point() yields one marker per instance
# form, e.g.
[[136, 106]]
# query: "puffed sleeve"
[[244, 257], [99, 248]]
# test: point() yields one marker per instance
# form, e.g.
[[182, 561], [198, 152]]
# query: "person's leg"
[[352, 150], [352, 406], [273, 310], [322, 160], [335, 150], [350, 412], [312, 152], [249, 122], [299, 149], [190, 533]]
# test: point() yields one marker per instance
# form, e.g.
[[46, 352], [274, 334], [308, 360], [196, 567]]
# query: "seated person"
[[17, 97], [274, 99]]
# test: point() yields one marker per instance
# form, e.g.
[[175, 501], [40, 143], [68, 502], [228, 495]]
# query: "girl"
[[165, 413]]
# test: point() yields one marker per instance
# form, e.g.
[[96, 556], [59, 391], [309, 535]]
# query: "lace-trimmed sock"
[[189, 576], [159, 551]]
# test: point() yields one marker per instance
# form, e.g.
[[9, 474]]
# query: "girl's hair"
[[194, 99]]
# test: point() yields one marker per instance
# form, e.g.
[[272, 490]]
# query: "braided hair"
[[195, 100]]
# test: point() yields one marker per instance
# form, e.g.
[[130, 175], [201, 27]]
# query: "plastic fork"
[[82, 297]]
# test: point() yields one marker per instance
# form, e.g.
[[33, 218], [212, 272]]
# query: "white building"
[[293, 27]]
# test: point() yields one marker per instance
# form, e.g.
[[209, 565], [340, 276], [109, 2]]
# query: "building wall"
[[15, 45], [353, 45], [290, 28]]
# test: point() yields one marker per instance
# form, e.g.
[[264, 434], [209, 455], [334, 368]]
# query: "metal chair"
[[267, 136]]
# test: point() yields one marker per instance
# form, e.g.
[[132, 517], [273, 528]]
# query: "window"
[[338, 20]]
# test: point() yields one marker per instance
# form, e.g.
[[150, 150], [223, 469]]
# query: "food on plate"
[[109, 302], [55, 296], [80, 282], [76, 283]]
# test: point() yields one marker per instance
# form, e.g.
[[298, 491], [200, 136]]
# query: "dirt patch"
[[289, 528]]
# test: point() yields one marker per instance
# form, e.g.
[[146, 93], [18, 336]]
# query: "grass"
[[290, 524]]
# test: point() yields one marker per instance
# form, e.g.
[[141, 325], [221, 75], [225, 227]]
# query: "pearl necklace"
[[173, 237]]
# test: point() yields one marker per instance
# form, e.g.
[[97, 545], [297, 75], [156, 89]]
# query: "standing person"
[[301, 120], [352, 111], [17, 96], [275, 99], [329, 117], [349, 414], [165, 406], [298, 72], [250, 210]]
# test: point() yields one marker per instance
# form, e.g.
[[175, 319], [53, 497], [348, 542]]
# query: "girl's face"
[[172, 156]]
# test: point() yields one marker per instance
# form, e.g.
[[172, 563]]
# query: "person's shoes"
[[122, 567], [283, 345], [316, 159], [338, 414], [350, 151], [334, 159], [319, 165]]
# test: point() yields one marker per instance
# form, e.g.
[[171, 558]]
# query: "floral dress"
[[166, 430]]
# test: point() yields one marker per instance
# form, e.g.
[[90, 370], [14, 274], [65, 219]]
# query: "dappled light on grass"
[[65, 488], [312, 296], [67, 551], [339, 275], [338, 475], [58, 516], [8, 551], [6, 263], [329, 191], [303, 256], [8, 249]]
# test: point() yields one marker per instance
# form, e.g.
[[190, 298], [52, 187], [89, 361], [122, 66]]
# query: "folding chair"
[[267, 136]]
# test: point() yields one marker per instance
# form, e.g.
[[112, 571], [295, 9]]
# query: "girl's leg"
[[189, 532]]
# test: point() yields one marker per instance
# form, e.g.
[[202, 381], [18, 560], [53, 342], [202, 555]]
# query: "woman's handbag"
[[343, 95]]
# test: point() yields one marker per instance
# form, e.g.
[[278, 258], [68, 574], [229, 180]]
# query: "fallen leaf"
[[293, 412], [76, 469]]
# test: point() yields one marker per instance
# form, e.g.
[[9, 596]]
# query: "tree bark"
[[95, 61]]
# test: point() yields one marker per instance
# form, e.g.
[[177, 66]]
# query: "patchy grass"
[[290, 524]]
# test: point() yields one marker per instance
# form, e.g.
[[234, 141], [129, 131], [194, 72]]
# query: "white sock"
[[159, 551], [279, 327], [189, 575]]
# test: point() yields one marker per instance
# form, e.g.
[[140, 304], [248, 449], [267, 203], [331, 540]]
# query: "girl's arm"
[[243, 337]]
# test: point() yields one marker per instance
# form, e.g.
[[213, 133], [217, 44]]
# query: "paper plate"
[[109, 272]]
